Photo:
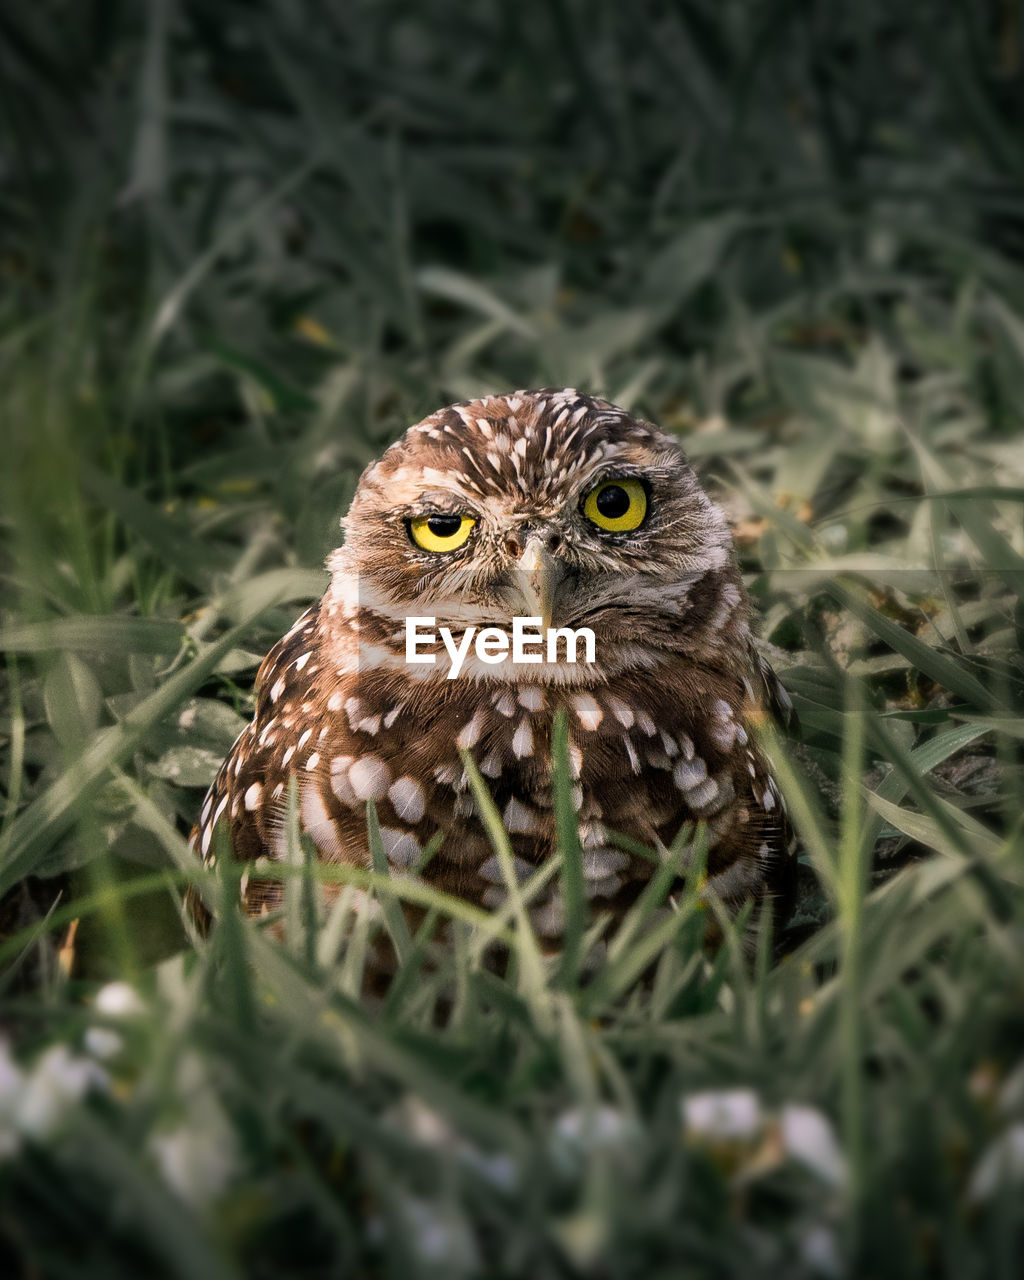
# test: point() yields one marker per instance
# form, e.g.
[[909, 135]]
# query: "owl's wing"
[[279, 664], [773, 694], [248, 790]]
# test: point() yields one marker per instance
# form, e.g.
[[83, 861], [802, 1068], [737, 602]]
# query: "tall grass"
[[245, 246]]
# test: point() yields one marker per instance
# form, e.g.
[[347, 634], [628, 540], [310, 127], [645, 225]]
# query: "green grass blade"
[[567, 832], [533, 980], [398, 930], [55, 811]]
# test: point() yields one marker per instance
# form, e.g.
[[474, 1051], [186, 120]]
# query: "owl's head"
[[541, 503]]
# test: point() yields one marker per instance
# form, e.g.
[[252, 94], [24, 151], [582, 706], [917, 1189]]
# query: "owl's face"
[[550, 504]]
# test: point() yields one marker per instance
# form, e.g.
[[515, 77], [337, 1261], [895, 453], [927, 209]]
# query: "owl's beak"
[[538, 576]]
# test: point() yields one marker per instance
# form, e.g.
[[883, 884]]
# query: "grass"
[[244, 247]]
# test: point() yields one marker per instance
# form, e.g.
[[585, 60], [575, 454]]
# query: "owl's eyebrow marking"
[[613, 470], [439, 501], [456, 505]]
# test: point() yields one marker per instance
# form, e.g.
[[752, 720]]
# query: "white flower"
[[102, 1043], [199, 1157], [718, 1114], [1001, 1165], [196, 1161], [439, 1236], [57, 1080], [820, 1252], [12, 1083], [591, 1127], [499, 1171], [582, 1132], [118, 1000], [414, 1118], [807, 1136]]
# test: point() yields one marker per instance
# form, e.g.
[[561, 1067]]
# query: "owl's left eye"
[[440, 532], [617, 505]]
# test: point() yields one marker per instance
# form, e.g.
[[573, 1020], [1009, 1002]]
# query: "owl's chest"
[[646, 754], [643, 755]]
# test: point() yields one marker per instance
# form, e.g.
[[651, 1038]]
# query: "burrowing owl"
[[551, 505]]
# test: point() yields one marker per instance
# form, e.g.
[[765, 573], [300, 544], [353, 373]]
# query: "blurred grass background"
[[244, 246]]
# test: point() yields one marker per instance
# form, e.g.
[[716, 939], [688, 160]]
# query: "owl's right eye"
[[440, 532]]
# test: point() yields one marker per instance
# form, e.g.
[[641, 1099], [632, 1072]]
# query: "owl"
[[560, 508]]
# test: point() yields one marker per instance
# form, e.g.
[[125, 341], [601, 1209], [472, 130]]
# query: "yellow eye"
[[617, 505], [440, 532]]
